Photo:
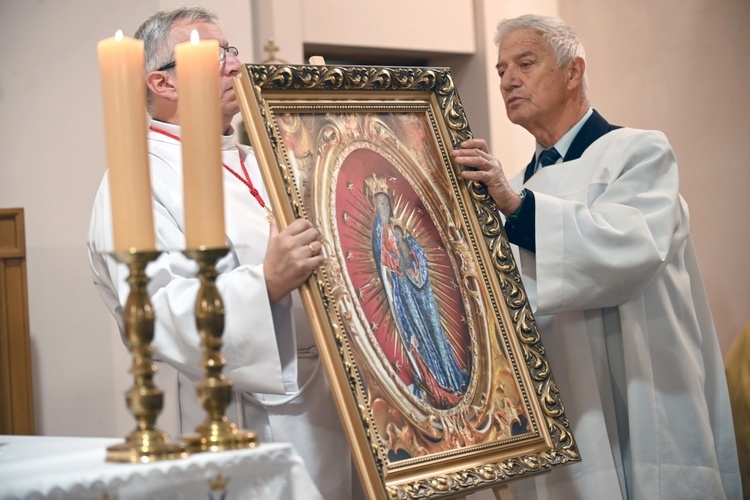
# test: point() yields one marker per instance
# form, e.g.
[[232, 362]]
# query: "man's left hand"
[[487, 170]]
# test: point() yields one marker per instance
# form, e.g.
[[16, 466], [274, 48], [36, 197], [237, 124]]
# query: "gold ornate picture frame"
[[421, 320]]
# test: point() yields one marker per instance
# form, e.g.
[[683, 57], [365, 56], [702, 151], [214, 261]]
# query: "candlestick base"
[[146, 443], [216, 433], [223, 436], [146, 447]]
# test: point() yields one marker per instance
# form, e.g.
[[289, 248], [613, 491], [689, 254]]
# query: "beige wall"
[[680, 66], [677, 66]]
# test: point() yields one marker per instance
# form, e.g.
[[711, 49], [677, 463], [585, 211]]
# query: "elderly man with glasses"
[[281, 392]]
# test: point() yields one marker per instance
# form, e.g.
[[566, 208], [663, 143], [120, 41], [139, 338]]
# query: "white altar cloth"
[[33, 467]]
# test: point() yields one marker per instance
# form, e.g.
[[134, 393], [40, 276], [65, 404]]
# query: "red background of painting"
[[358, 165]]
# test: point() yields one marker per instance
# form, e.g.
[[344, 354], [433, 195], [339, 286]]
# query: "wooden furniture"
[[16, 394]]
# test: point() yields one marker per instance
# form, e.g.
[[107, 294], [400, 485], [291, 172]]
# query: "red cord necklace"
[[246, 180]]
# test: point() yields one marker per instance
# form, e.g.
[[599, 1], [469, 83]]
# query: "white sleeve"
[[251, 346], [601, 239]]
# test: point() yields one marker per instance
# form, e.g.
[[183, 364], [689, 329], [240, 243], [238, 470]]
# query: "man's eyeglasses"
[[222, 58]]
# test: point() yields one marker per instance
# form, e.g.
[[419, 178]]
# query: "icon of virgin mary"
[[403, 270]]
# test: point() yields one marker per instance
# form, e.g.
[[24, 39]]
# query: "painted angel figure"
[[403, 270]]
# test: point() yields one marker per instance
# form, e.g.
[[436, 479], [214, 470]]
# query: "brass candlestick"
[[146, 443], [216, 433]]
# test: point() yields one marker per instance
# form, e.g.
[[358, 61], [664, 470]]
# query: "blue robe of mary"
[[402, 265]]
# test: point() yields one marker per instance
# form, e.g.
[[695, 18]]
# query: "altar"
[[33, 467]]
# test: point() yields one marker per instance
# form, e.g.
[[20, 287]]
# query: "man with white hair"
[[601, 237]]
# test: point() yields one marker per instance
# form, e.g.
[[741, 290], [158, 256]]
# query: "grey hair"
[[156, 32], [560, 37]]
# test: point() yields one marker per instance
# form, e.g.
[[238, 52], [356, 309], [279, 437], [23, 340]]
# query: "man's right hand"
[[291, 257]]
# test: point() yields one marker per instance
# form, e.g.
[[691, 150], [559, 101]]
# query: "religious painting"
[[418, 311]]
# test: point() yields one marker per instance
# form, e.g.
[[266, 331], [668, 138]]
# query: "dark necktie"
[[548, 157]]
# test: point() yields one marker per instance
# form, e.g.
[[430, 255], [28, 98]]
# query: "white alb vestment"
[[260, 341], [625, 322]]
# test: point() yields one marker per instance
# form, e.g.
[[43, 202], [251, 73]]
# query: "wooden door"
[[16, 395]]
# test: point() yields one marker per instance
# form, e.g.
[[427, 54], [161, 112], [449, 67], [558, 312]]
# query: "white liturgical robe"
[[281, 392], [625, 322]]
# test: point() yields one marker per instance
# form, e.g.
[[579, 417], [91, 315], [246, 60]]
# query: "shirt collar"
[[566, 140], [166, 127], [227, 141]]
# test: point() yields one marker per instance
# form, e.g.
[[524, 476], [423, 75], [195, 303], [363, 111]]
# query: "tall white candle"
[[125, 119], [197, 64]]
